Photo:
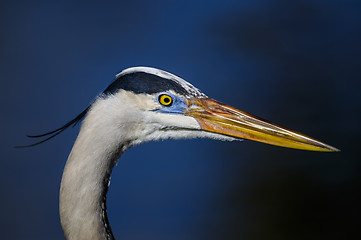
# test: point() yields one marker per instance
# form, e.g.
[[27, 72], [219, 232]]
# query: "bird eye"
[[165, 100]]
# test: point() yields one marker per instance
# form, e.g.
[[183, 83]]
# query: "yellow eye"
[[165, 100]]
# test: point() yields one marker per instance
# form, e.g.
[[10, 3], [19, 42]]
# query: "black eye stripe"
[[141, 82]]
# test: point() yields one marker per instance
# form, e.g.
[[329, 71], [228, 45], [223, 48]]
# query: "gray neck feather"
[[85, 181]]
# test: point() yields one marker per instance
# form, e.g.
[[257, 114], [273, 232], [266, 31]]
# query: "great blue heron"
[[145, 104]]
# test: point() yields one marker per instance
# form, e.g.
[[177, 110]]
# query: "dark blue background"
[[296, 63]]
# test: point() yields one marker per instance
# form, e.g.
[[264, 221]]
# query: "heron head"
[[144, 104]]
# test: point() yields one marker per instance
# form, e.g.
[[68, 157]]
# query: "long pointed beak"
[[217, 117]]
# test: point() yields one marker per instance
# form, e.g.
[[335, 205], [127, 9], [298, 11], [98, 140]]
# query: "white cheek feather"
[[175, 121], [185, 134]]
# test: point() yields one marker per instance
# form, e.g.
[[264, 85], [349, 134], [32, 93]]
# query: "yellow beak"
[[217, 117]]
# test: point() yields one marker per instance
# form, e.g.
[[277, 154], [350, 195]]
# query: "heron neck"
[[85, 183]]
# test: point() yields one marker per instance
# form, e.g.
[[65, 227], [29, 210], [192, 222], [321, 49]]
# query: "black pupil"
[[167, 100]]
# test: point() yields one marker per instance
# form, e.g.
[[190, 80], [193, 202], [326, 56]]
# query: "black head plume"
[[50, 135]]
